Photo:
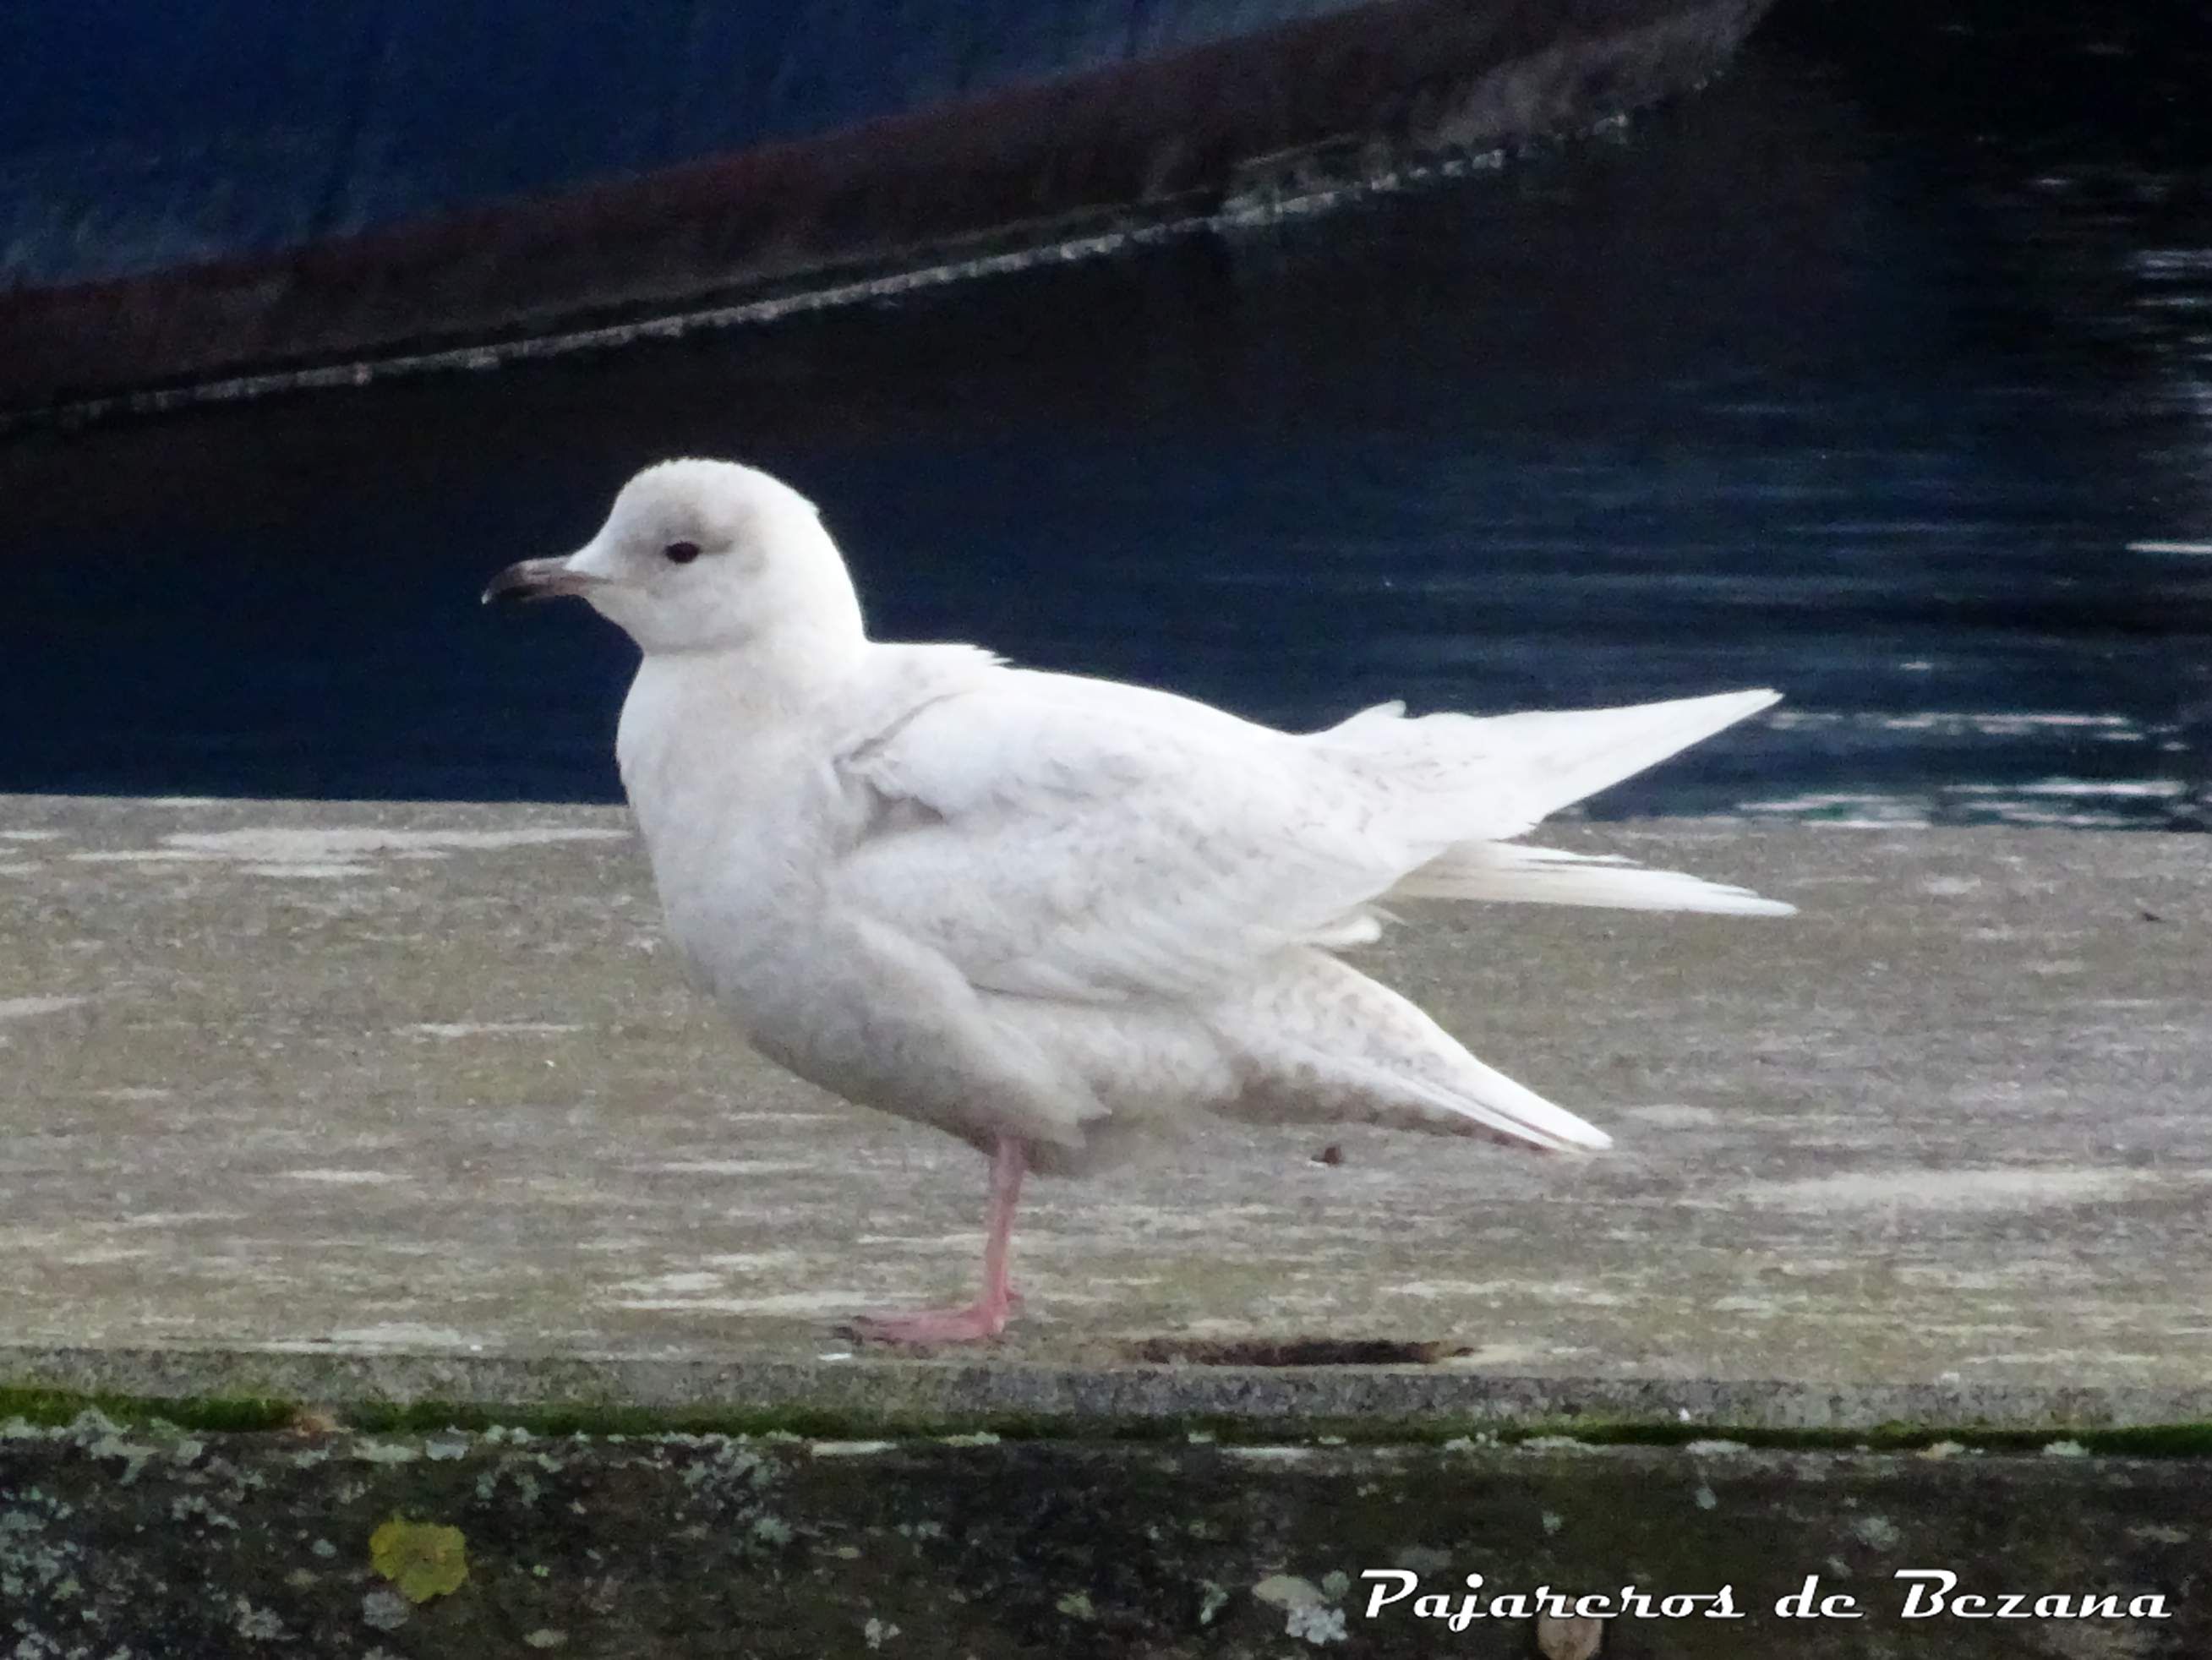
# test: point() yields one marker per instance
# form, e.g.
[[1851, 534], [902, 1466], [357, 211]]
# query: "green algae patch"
[[2143, 1441], [604, 1418], [2149, 1441], [422, 1559], [52, 1408]]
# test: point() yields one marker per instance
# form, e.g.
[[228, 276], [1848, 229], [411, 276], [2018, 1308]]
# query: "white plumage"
[[1057, 916]]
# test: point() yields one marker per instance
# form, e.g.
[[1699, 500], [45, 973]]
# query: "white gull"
[[1060, 917]]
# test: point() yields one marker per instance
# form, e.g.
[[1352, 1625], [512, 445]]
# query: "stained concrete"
[[154, 1544], [368, 1082]]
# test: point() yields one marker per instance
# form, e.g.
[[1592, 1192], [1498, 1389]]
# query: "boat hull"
[[865, 187]]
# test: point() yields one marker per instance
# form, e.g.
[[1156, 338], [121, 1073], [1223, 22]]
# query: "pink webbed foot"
[[985, 1318], [975, 1323]]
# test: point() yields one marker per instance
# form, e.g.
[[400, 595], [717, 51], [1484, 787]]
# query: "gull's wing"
[[1076, 839]]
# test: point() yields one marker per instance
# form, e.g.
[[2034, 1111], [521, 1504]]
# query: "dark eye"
[[681, 553]]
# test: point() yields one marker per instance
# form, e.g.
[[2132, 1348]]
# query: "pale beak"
[[541, 579]]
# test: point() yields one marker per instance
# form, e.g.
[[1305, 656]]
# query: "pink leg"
[[987, 1316]]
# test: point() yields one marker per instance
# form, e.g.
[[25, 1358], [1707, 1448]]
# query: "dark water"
[[1881, 373]]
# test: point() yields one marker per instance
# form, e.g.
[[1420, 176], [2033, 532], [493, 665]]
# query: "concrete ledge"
[[377, 1150], [141, 1541], [1367, 1403]]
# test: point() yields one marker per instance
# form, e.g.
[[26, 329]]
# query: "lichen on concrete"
[[422, 1559], [693, 1543]]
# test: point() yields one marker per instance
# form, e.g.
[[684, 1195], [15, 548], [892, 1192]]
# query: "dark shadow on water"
[[1897, 397]]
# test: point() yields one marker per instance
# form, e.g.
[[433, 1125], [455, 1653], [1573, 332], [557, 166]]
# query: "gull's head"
[[701, 556]]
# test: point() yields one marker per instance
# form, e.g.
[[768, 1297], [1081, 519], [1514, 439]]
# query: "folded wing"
[[1066, 838], [1059, 838]]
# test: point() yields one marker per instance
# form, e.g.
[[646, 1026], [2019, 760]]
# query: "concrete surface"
[[391, 1079]]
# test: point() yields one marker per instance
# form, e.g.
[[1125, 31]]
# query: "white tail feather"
[[1544, 876]]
